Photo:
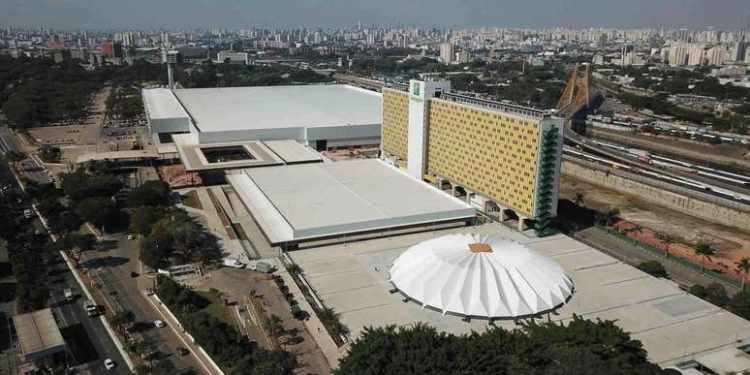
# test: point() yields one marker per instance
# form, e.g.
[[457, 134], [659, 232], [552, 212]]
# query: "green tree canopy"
[[100, 212], [80, 185], [653, 268], [150, 193], [740, 304], [582, 347]]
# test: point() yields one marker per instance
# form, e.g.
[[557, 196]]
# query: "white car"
[[109, 364], [158, 323]]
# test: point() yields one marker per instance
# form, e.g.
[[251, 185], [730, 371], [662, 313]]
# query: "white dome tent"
[[491, 277]]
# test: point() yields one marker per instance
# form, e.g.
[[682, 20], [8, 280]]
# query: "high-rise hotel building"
[[506, 157]]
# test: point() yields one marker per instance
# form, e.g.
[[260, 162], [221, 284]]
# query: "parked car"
[[158, 323]]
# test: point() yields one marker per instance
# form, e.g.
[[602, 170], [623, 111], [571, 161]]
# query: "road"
[[71, 317], [633, 255], [28, 167], [112, 267], [86, 338]]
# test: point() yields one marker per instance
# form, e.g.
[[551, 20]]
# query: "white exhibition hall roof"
[[319, 200], [275, 107], [488, 277]]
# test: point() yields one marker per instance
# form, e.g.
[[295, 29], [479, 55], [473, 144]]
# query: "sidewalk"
[[313, 324]]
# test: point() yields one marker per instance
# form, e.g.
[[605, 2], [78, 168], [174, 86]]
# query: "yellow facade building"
[[505, 157]]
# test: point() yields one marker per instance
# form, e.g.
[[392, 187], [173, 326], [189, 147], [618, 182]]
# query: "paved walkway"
[[633, 255], [313, 324]]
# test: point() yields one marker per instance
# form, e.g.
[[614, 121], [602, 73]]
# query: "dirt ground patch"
[[177, 176], [65, 135], [730, 244], [236, 285]]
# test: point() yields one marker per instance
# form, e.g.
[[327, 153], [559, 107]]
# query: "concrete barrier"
[[658, 195]]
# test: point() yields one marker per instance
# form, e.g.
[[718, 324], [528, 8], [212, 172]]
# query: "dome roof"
[[489, 277]]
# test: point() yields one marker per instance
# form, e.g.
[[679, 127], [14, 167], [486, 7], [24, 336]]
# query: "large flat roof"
[[273, 107], [38, 334], [673, 325], [161, 104], [307, 201]]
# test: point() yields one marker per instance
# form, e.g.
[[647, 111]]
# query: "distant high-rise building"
[[684, 35], [112, 49], [79, 53], [232, 57], [463, 57], [696, 54], [715, 55], [603, 39], [738, 52], [598, 59], [678, 54], [446, 53], [405, 41]]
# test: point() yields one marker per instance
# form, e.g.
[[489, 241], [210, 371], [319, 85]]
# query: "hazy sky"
[[722, 14]]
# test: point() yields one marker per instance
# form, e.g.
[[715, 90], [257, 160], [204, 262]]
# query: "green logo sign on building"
[[416, 91]]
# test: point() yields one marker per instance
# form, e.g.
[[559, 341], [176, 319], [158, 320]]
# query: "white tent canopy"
[[488, 277]]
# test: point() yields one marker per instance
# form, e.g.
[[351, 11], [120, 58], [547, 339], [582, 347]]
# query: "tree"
[[666, 239], [155, 251], [143, 218], [151, 193], [123, 317], [740, 304], [698, 291], [185, 234], [717, 294], [79, 185], [99, 211], [534, 348], [653, 268], [86, 242], [705, 251], [578, 199], [609, 217], [636, 229], [275, 325], [743, 266]]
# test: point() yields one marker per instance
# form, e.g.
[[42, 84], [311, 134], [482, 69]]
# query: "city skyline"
[[169, 14]]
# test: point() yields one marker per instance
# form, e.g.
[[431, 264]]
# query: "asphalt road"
[[27, 167], [112, 268], [71, 316]]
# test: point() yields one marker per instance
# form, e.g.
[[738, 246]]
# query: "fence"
[[674, 259]]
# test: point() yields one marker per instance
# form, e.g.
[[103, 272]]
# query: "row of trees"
[[167, 232], [234, 75], [581, 347], [25, 246], [35, 91], [231, 350], [715, 293]]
